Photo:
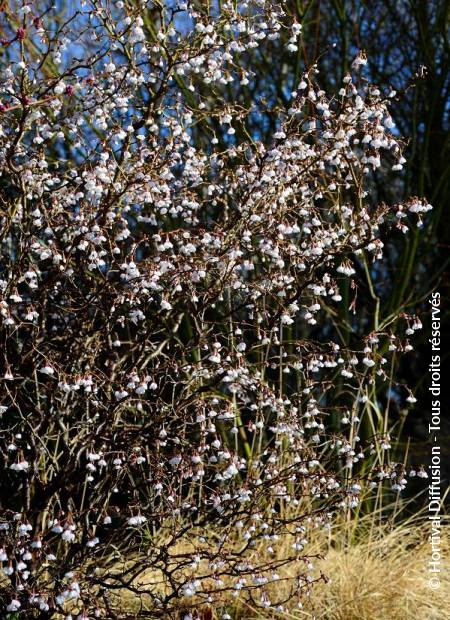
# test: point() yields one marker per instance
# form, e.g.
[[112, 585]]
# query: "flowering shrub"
[[171, 367]]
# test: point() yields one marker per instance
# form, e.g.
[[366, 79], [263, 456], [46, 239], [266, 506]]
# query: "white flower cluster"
[[166, 279]]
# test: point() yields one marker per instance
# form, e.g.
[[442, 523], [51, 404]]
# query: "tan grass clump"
[[383, 575], [376, 572]]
